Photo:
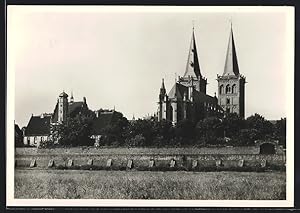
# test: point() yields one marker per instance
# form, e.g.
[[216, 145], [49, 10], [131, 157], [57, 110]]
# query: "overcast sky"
[[118, 56]]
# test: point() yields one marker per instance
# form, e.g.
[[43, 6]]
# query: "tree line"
[[211, 131]]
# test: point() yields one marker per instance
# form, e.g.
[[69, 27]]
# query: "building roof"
[[38, 125], [231, 64], [199, 97], [178, 90], [102, 121], [192, 66], [63, 94], [18, 131], [73, 108]]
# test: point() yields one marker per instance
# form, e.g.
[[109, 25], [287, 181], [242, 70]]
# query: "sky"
[[117, 56]]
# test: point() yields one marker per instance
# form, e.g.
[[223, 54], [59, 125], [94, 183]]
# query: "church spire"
[[162, 91], [192, 66], [72, 98], [163, 85], [231, 63]]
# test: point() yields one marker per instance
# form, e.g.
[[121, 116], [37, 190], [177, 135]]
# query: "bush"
[[138, 140], [46, 144]]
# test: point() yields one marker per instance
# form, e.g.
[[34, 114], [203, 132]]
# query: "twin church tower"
[[188, 99]]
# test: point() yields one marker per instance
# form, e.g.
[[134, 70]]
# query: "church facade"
[[188, 98]]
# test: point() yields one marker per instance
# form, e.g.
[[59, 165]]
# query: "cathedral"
[[188, 98]]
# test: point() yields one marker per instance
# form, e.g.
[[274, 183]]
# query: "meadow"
[[82, 184]]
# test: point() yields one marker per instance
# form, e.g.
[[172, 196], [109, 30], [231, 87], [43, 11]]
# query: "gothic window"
[[228, 88], [221, 89], [234, 88], [227, 100]]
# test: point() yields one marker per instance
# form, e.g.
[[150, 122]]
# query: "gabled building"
[[37, 130], [188, 99]]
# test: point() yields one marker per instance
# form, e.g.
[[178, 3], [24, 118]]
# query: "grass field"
[[76, 184]]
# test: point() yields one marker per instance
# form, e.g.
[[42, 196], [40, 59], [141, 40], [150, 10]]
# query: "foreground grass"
[[74, 184]]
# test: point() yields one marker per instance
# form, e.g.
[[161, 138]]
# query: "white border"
[[289, 202]]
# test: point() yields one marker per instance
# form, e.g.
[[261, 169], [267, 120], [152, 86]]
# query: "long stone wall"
[[43, 158], [155, 151]]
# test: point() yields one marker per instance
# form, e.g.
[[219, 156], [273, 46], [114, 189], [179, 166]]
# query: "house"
[[37, 130]]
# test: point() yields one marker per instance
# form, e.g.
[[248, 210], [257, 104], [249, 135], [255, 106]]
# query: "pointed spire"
[[162, 88], [192, 66], [231, 63], [163, 84], [72, 98]]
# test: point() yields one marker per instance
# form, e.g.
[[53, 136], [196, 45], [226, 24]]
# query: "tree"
[[209, 129], [144, 128], [264, 129], [163, 132], [76, 131], [184, 132], [137, 140], [280, 131], [248, 136], [116, 131], [232, 125]]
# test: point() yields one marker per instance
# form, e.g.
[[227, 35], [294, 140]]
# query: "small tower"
[[162, 94], [231, 85], [62, 107], [71, 98]]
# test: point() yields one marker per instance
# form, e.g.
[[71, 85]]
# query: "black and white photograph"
[[150, 106]]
